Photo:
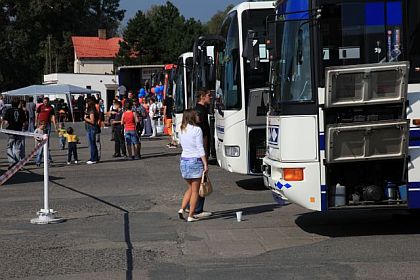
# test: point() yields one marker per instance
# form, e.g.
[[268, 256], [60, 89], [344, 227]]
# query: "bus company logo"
[[280, 185], [273, 135], [220, 129]]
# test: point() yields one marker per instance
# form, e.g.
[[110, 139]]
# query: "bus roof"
[[253, 5], [141, 66]]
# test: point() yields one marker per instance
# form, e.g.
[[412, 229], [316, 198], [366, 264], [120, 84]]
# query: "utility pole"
[[49, 54]]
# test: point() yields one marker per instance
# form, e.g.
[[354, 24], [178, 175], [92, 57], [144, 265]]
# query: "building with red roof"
[[95, 55]]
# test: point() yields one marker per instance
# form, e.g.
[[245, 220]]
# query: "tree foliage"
[[158, 36], [215, 23], [36, 35]]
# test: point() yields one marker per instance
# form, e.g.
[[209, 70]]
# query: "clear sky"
[[199, 9]]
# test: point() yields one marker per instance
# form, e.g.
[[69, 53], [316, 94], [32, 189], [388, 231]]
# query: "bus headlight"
[[232, 151]]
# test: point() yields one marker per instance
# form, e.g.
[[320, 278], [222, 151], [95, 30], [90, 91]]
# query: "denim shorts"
[[131, 137], [191, 168]]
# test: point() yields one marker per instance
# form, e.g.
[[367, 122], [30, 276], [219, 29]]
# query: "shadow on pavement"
[[359, 223], [127, 235], [26, 176], [157, 138], [212, 161], [121, 159], [247, 211], [160, 155], [252, 184]]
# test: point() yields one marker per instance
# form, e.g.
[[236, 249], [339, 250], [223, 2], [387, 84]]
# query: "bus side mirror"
[[189, 65], [252, 50], [299, 51], [203, 69], [219, 107], [219, 110], [274, 38], [211, 79]]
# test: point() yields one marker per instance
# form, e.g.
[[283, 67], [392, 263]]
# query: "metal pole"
[[46, 179], [46, 215]]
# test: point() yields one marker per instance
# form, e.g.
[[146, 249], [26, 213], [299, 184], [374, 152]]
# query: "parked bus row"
[[320, 97]]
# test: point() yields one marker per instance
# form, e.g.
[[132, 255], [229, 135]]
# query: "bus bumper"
[[269, 184]]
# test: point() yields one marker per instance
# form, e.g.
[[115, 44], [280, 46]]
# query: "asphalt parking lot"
[[121, 223]]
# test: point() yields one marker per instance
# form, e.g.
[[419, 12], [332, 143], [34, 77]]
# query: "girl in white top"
[[193, 161], [152, 113]]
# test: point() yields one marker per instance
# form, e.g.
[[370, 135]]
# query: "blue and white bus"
[[343, 129]]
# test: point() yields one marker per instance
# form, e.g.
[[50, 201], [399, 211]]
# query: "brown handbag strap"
[[203, 177]]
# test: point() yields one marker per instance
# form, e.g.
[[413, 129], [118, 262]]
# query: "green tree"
[[158, 36], [36, 35], [135, 49], [104, 14], [214, 25]]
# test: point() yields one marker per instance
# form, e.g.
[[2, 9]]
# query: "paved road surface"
[[121, 223]]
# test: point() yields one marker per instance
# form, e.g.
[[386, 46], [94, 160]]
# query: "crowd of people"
[[30, 117], [129, 118], [134, 116]]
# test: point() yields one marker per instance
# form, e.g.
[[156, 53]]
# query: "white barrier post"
[[159, 126], [46, 215]]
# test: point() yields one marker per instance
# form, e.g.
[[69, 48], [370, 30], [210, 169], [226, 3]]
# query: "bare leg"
[[187, 195], [136, 150], [129, 150], [195, 186], [139, 149]]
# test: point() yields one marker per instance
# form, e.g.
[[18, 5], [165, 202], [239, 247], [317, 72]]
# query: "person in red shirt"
[[45, 114], [129, 120]]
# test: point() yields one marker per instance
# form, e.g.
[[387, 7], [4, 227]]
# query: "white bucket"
[[340, 195], [159, 126], [239, 216]]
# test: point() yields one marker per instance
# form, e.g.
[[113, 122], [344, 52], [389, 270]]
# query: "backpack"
[[142, 112], [141, 115]]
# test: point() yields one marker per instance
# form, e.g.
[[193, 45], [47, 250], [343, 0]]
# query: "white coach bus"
[[182, 89], [241, 101]]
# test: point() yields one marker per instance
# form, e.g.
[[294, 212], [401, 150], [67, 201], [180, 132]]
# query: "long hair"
[[189, 117], [90, 105]]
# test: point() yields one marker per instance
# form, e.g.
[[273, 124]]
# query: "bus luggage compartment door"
[[257, 107], [257, 147]]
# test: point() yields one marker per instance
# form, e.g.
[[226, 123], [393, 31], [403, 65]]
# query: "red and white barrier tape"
[[18, 166]]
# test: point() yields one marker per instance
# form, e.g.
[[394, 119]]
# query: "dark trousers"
[[199, 208], [119, 141], [91, 136], [200, 205], [72, 150], [15, 145]]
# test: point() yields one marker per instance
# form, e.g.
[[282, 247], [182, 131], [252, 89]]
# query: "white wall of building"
[[100, 83], [93, 66]]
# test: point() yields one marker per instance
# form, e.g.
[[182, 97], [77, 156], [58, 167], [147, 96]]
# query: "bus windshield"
[[230, 88], [293, 81], [179, 90], [359, 32]]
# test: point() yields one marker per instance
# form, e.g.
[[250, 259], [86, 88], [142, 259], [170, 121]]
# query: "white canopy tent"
[[54, 89]]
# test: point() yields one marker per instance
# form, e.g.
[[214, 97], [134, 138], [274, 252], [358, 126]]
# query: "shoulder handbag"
[[205, 186]]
